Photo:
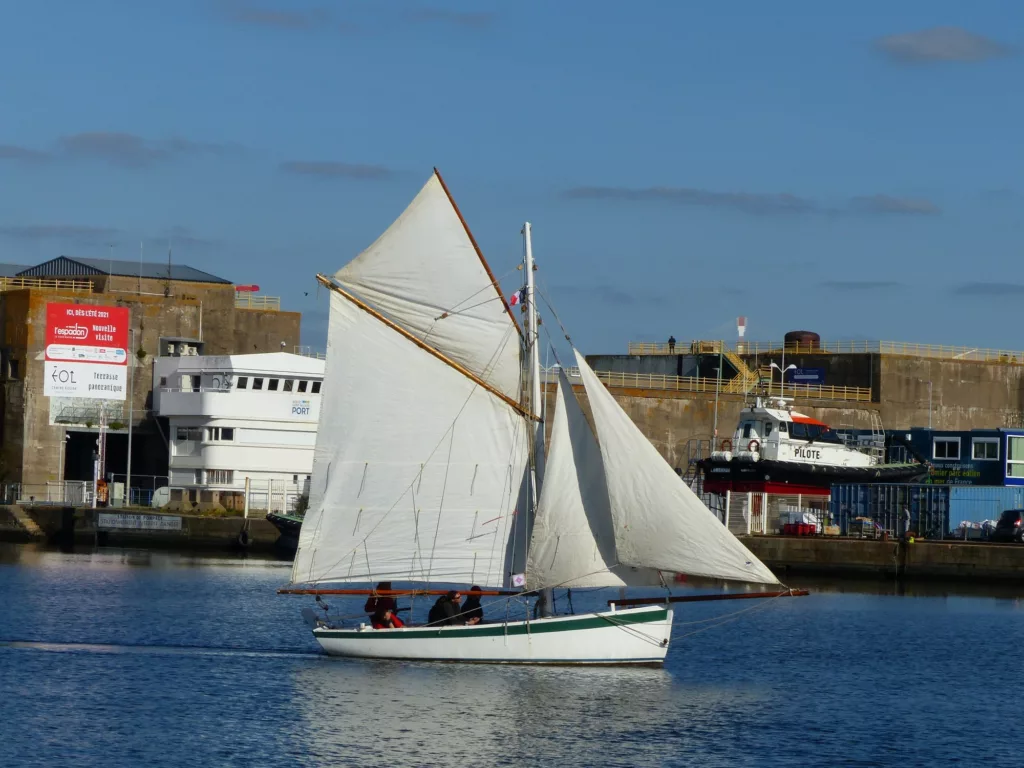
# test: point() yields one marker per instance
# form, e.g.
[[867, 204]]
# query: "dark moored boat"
[[289, 526]]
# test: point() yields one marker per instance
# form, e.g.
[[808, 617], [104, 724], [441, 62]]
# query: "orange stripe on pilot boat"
[[807, 420]]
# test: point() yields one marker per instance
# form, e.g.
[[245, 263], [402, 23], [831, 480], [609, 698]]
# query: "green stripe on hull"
[[536, 627]]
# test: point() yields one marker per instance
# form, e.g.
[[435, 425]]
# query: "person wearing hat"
[[472, 611]]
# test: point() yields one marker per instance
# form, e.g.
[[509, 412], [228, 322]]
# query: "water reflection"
[[39, 555], [114, 659], [371, 712]]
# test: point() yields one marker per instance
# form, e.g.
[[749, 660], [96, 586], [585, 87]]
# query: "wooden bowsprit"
[[708, 598]]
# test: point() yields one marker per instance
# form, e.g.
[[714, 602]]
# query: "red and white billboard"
[[86, 351]]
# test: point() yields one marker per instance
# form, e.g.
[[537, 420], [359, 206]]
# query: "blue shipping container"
[[975, 504], [884, 503]]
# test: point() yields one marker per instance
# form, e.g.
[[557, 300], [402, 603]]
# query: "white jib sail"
[[424, 266], [417, 468], [573, 540], [659, 522]]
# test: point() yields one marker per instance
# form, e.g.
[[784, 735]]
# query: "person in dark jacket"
[[381, 603], [472, 611], [446, 610]]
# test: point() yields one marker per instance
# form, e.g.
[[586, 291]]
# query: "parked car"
[[1010, 526]]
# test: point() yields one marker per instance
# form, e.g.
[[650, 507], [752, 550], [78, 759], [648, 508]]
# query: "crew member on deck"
[[472, 611], [385, 618], [382, 603], [446, 610]]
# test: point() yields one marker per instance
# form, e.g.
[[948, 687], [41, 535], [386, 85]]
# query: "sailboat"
[[429, 468]]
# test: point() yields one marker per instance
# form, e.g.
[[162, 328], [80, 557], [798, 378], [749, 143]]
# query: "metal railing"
[[309, 352], [246, 300], [893, 348], [45, 284], [704, 384], [65, 492], [264, 496]]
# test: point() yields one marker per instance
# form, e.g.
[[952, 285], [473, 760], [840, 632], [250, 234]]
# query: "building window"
[[243, 382], [985, 448], [214, 434], [1015, 456], [288, 385], [257, 383], [189, 433], [272, 384], [316, 388], [303, 385], [947, 448], [220, 476], [199, 477], [14, 369]]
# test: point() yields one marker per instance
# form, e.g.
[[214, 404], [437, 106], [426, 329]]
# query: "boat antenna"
[[167, 285]]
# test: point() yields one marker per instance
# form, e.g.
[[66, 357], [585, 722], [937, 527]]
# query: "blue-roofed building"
[[69, 266], [11, 270], [47, 440]]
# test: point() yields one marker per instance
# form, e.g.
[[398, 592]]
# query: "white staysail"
[[417, 467], [659, 522], [425, 274], [573, 538]]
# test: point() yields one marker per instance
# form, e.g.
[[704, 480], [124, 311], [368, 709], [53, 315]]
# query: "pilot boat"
[[776, 449]]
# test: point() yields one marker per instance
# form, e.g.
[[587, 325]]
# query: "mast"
[[537, 436]]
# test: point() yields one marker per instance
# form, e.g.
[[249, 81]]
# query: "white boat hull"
[[631, 636]]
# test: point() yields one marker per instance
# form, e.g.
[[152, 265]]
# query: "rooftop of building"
[[10, 270], [257, 362], [67, 266], [819, 347]]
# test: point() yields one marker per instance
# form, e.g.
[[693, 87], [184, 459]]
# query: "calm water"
[[130, 659]]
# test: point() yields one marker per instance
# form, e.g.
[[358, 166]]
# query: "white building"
[[234, 417]]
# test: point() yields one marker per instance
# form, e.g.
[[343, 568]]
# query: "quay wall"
[[965, 395], [672, 420], [67, 525], [859, 557]]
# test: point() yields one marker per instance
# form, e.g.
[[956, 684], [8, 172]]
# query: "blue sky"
[[852, 169]]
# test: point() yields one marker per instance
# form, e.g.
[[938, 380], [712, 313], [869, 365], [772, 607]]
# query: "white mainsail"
[[417, 468], [573, 538], [426, 274], [659, 522]]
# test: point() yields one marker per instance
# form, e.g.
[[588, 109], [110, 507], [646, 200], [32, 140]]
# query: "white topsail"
[[417, 469], [425, 274], [659, 522]]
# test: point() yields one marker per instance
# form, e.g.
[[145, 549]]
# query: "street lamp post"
[[718, 387], [782, 377], [131, 416], [60, 463]]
